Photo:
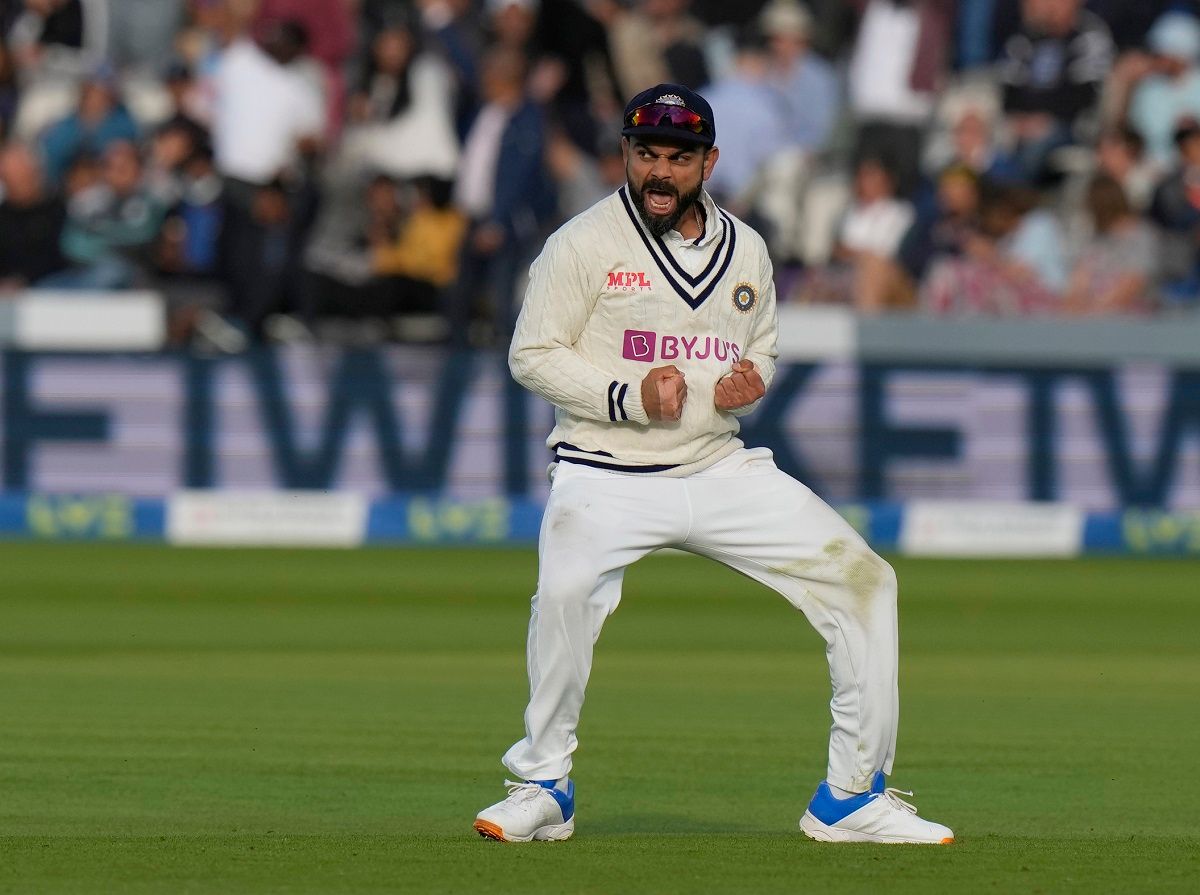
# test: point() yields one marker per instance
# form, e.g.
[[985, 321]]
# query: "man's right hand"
[[663, 393]]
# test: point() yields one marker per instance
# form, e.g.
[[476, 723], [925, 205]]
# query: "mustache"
[[660, 186]]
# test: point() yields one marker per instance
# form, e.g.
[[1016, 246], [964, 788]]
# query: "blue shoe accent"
[[566, 800], [829, 809]]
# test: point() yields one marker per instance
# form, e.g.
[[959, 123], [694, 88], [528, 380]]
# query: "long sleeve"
[[558, 303], [761, 349]]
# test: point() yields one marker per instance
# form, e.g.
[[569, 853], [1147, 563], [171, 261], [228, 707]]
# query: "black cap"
[[672, 95]]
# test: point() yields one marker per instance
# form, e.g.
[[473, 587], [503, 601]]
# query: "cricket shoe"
[[879, 815], [534, 809]]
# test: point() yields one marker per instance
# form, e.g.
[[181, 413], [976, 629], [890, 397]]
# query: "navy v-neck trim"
[[696, 280], [723, 254]]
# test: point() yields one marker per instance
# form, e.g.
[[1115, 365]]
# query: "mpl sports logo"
[[628, 281], [648, 347]]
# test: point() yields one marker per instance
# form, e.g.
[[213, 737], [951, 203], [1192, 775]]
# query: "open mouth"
[[659, 202]]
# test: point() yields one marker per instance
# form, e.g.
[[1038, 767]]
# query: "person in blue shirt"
[[99, 121]]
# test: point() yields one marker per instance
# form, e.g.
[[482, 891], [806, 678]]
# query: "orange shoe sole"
[[489, 830]]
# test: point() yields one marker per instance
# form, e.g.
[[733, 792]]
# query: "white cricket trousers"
[[744, 512]]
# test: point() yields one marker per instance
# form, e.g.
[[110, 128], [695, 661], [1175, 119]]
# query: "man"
[[31, 221], [266, 115], [110, 226], [503, 189], [1052, 72], [896, 70], [650, 323]]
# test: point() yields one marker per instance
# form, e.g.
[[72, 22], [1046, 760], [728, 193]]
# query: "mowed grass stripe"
[[330, 721]]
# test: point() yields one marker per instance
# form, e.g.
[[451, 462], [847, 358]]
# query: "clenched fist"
[[663, 393], [740, 386]]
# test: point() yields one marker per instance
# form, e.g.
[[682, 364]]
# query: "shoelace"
[[523, 792], [893, 798]]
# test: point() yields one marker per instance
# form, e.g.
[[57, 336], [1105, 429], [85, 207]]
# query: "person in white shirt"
[[268, 120], [265, 112], [649, 322]]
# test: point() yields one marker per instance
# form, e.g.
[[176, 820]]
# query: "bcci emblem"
[[744, 297]]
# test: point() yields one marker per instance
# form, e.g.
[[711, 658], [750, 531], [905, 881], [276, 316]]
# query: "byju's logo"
[[627, 281], [639, 345], [647, 347]]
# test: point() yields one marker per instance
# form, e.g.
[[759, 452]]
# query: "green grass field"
[[327, 722]]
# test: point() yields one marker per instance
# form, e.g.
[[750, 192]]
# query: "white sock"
[[839, 793]]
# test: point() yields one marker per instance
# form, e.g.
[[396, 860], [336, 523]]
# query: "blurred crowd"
[[386, 169]]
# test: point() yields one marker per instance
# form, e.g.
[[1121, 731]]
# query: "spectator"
[[63, 38], [967, 137], [636, 57], [1164, 85], [342, 283], [264, 113], [897, 65], [396, 261], [940, 230], [402, 114], [99, 120], [806, 84], [871, 230], [183, 177], [573, 73], [174, 144], [1117, 269], [110, 226], [184, 100], [1014, 265], [267, 125], [31, 221], [1052, 71], [330, 35], [1120, 153], [422, 257], [807, 91], [503, 190], [752, 124], [1176, 208], [680, 40], [456, 35], [55, 43], [260, 251], [186, 257]]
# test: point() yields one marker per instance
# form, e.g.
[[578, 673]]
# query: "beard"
[[659, 224]]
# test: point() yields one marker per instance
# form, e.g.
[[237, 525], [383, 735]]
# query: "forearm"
[[566, 380]]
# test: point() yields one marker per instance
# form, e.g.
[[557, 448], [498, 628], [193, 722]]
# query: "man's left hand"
[[739, 387]]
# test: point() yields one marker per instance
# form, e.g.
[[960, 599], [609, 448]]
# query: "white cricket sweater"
[[607, 302]]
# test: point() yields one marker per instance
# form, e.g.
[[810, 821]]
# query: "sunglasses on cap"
[[664, 115]]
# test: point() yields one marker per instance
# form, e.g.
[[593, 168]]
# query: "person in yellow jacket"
[[425, 248]]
